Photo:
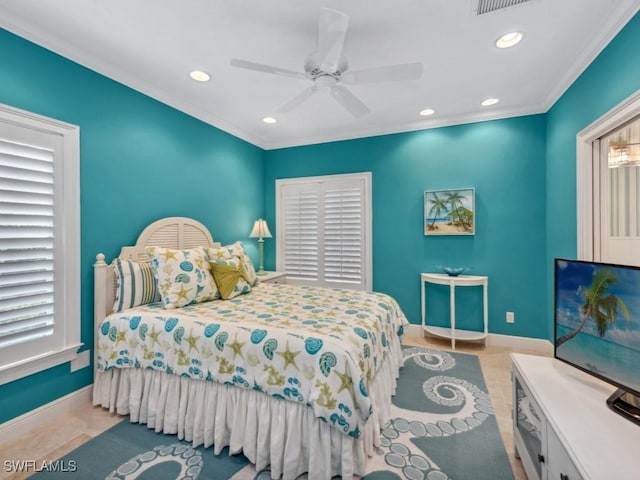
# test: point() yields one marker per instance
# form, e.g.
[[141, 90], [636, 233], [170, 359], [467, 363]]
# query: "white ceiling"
[[152, 45]]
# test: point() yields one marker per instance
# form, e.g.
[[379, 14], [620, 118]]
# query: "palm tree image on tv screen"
[[597, 320], [599, 305]]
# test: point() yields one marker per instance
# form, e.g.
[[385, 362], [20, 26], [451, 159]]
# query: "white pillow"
[[183, 276]]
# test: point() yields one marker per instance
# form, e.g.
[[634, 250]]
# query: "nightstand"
[[273, 277]]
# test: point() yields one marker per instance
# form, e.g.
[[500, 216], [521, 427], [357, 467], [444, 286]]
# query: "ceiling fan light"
[[269, 120], [509, 40], [489, 101], [199, 76], [427, 111]]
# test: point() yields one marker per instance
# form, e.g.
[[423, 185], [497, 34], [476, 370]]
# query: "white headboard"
[[170, 232]]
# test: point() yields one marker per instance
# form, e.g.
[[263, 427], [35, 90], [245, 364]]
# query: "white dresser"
[[562, 427]]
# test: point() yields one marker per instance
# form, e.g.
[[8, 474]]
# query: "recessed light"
[[199, 76], [427, 111], [489, 101], [269, 120], [509, 40]]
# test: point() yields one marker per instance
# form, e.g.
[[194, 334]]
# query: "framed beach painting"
[[450, 212]]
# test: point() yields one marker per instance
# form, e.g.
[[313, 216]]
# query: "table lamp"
[[260, 231]]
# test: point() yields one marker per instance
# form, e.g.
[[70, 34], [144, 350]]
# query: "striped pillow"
[[135, 284]]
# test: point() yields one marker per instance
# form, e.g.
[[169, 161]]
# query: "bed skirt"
[[269, 431]]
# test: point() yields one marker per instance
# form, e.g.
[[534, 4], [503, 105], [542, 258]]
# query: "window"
[[39, 243], [324, 230], [608, 179]]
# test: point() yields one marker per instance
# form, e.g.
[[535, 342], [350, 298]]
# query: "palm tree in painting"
[[599, 305], [438, 204], [463, 216], [454, 200], [466, 217]]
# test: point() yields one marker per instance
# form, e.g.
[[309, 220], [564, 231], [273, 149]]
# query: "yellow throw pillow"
[[238, 249], [230, 278], [234, 251]]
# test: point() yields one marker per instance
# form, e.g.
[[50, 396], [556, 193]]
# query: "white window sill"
[[15, 371]]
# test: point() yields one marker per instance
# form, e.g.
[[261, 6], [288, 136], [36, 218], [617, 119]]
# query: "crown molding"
[[76, 55], [614, 24], [444, 121]]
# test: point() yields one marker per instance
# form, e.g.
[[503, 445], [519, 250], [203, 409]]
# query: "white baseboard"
[[36, 418], [413, 330], [528, 344], [537, 345]]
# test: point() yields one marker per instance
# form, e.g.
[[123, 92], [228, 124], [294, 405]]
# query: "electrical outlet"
[[82, 360], [510, 317]]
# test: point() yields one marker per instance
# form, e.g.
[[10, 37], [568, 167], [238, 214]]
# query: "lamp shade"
[[260, 229]]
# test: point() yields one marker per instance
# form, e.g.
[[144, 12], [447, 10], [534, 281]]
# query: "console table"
[[453, 282]]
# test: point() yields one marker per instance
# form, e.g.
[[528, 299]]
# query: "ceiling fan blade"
[[332, 29], [297, 100], [349, 101], [259, 67], [389, 73]]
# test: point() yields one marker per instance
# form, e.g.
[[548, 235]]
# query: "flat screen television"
[[597, 326]]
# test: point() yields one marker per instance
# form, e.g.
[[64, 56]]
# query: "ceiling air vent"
[[488, 6]]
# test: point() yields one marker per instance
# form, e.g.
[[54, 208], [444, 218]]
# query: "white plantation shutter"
[[39, 243], [323, 227], [26, 243], [344, 233], [300, 222]]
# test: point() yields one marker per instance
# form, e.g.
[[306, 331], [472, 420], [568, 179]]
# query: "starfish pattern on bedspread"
[[316, 346]]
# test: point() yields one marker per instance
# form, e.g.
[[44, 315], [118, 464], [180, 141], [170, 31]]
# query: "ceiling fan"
[[327, 68]]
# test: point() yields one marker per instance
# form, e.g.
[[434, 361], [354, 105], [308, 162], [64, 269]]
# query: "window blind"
[[343, 234], [322, 228], [26, 243], [301, 224]]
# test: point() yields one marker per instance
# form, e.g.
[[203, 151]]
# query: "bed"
[[299, 379]]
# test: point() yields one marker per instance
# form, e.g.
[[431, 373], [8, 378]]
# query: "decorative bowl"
[[453, 271]]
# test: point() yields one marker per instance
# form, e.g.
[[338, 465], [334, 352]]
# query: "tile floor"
[[70, 430]]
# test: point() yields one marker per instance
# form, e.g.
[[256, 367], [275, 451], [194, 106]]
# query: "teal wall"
[[612, 77], [140, 160], [503, 160]]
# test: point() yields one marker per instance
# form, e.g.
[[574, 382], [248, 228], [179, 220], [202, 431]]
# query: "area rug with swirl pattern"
[[443, 427]]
